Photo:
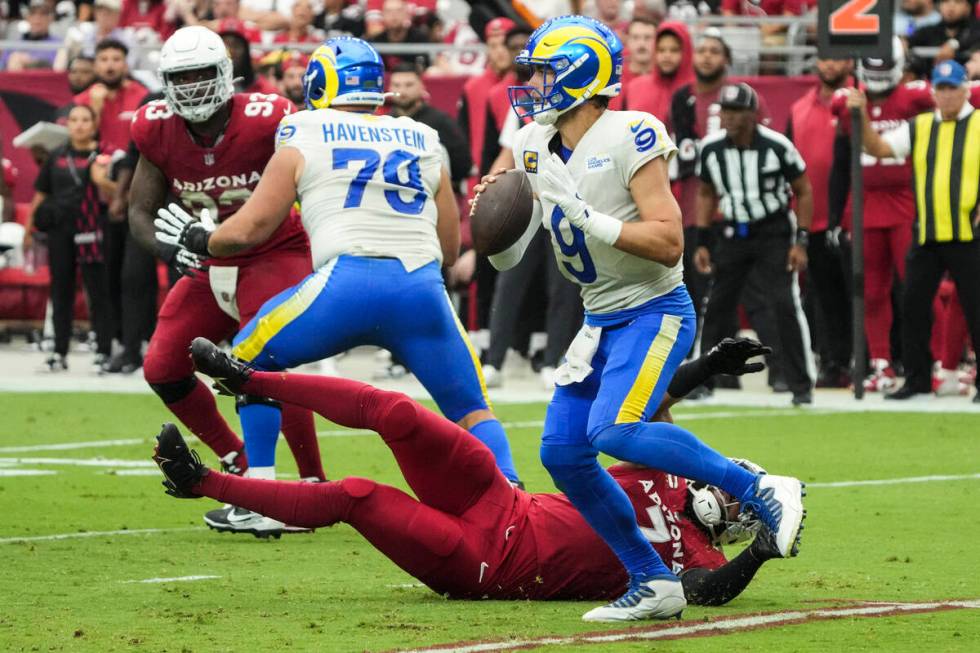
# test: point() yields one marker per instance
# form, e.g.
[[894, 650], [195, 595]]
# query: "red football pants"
[[949, 330], [451, 537], [189, 311], [884, 255]]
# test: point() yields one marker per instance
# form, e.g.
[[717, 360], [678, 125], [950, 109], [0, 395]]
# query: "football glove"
[[187, 263], [730, 355], [175, 226], [556, 185]]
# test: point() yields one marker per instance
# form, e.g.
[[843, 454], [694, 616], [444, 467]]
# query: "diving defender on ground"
[[601, 180], [378, 205], [205, 146], [470, 534]]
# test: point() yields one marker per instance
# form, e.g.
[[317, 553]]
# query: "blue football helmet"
[[344, 71], [579, 58]]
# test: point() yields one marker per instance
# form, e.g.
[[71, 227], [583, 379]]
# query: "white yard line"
[[73, 536], [721, 626], [897, 481], [81, 462], [5, 473], [177, 579]]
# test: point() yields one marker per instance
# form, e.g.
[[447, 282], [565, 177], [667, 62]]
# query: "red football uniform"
[[888, 198], [466, 533], [217, 303], [222, 177]]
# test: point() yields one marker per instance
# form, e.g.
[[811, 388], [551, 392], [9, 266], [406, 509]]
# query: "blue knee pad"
[[604, 505]]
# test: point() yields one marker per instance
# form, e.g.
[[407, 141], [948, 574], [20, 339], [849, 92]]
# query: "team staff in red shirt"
[[812, 128], [673, 67], [470, 534], [113, 96]]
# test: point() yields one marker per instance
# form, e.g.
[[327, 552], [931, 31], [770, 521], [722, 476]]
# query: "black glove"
[[730, 355]]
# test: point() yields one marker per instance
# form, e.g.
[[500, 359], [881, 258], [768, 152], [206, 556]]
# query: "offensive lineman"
[[469, 534], [379, 208], [620, 238], [206, 146]]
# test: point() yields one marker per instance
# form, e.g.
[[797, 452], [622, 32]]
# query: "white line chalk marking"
[[72, 536], [81, 462], [721, 626], [178, 579], [25, 472], [896, 481]]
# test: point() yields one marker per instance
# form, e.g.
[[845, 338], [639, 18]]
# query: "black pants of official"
[[828, 286], [924, 269], [763, 253], [139, 288], [564, 316], [63, 263]]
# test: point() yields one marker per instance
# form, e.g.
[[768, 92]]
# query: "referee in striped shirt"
[[748, 170]]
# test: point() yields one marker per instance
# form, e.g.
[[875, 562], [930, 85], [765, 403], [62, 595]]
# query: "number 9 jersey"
[[368, 185], [602, 164], [219, 177]]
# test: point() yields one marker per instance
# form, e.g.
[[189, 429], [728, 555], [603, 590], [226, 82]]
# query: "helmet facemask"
[[720, 515], [198, 100]]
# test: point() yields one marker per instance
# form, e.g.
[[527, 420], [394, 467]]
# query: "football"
[[501, 213]]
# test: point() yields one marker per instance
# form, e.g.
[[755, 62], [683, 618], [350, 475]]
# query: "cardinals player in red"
[[205, 147], [889, 204], [470, 534]]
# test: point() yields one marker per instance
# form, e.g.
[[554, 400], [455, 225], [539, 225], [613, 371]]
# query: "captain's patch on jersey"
[[531, 162], [644, 135]]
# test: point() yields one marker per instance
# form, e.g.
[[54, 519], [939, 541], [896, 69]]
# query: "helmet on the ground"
[[196, 48], [579, 58], [344, 71], [882, 75], [719, 512]]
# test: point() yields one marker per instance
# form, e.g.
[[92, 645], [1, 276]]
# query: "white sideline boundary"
[[714, 627]]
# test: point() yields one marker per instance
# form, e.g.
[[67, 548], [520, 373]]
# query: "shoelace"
[[766, 508], [633, 596]]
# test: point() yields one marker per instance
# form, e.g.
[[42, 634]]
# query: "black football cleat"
[[229, 374], [181, 466]]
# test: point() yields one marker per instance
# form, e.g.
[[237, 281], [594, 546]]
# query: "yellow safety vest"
[[946, 169]]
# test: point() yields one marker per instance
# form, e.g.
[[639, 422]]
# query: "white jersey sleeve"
[[368, 185], [602, 164]]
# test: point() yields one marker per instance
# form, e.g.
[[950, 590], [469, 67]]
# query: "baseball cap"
[[498, 27], [738, 96], [950, 73]]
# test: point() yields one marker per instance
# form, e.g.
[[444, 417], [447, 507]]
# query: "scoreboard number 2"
[[853, 18]]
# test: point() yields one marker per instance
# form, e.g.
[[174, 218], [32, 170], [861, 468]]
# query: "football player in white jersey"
[[600, 177], [378, 205]]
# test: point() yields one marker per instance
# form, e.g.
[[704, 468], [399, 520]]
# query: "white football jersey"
[[602, 164], [368, 186]]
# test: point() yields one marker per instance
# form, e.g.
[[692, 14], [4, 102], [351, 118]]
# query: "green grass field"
[[903, 542]]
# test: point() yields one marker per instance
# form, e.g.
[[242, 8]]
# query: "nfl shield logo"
[[209, 158]]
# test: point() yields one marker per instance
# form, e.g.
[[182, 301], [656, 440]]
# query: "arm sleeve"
[[839, 184], [511, 256], [719, 586], [43, 182], [900, 140]]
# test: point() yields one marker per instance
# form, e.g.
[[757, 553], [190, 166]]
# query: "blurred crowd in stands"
[[673, 61]]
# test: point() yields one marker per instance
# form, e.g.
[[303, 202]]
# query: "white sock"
[[261, 472]]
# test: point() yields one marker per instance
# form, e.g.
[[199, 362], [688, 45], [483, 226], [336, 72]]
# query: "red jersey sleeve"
[[148, 122]]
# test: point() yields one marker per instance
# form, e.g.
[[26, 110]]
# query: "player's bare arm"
[[659, 234], [146, 194], [796, 260], [447, 224], [705, 208], [265, 210]]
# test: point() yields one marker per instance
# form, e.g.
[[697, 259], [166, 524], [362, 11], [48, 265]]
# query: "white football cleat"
[[232, 519], [778, 503], [492, 377], [657, 598]]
